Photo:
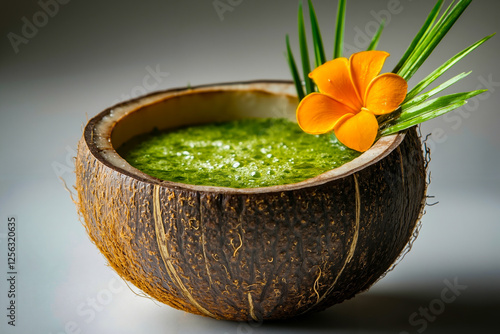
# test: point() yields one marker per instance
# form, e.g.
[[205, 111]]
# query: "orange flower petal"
[[357, 132], [385, 93], [318, 113], [364, 67], [333, 78]]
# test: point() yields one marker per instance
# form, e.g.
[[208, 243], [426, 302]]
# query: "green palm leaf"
[[423, 97], [376, 37], [420, 35], [443, 68], [428, 110], [427, 44], [319, 51], [338, 48], [304, 51], [294, 70]]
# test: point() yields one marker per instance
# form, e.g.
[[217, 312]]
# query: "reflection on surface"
[[379, 313]]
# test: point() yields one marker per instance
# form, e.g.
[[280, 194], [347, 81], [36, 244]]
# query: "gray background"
[[92, 54]]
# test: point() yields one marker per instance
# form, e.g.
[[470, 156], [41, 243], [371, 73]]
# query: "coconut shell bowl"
[[254, 253]]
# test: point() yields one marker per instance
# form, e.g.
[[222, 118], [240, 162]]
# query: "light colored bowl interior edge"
[[101, 129]]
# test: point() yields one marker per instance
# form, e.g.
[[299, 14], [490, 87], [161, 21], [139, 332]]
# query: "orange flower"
[[351, 93]]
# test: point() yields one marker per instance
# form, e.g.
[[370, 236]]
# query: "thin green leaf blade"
[[338, 48], [443, 68], [423, 97], [420, 35], [443, 17], [304, 52], [418, 120], [437, 103], [437, 34], [294, 71], [374, 43], [319, 51]]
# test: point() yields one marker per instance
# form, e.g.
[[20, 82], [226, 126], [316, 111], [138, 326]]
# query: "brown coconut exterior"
[[253, 255]]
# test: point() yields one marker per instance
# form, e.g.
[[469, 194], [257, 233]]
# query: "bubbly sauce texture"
[[247, 153]]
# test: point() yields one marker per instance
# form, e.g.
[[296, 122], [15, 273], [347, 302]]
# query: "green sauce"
[[239, 154]]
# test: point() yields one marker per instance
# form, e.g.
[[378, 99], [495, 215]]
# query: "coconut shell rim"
[[380, 149]]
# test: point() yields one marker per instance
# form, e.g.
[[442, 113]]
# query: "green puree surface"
[[239, 154]]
